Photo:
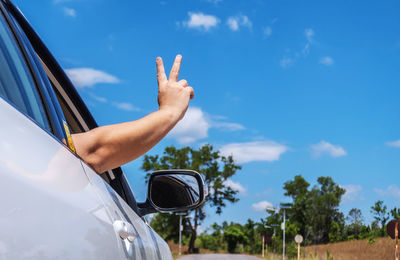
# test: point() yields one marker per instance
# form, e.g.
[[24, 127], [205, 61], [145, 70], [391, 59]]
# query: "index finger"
[[161, 77], [174, 74]]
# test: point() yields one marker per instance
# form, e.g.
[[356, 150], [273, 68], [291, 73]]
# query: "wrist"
[[172, 115]]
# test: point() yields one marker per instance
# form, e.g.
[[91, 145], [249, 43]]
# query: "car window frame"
[[50, 115], [118, 181]]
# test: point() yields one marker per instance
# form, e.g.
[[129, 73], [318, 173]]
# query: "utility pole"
[[180, 214], [284, 207]]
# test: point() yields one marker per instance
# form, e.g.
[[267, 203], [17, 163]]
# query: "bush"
[[209, 242], [291, 249], [233, 235], [350, 238]]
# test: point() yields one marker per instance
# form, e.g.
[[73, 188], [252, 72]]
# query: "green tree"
[[322, 208], [395, 212], [355, 220], [167, 226], [336, 232], [313, 211], [233, 235], [214, 168], [297, 189], [213, 241], [379, 211], [253, 238]]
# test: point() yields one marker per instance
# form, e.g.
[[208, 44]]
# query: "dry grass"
[[175, 250], [382, 249]]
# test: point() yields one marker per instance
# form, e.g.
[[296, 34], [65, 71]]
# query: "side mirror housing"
[[173, 191]]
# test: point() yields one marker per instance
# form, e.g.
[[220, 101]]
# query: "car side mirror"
[[172, 191]]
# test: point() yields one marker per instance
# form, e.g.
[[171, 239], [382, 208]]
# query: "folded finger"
[[183, 83], [190, 89]]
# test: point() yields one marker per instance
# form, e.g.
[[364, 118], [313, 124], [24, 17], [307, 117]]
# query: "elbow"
[[90, 150], [95, 162]]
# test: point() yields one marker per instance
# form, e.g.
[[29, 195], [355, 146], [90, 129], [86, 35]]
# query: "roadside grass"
[[379, 249]]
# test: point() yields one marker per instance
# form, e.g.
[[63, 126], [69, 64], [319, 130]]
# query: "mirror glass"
[[174, 191]]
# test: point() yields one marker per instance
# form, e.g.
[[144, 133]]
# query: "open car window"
[[77, 124]]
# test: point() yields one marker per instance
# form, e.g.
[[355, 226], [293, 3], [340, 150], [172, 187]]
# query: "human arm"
[[111, 146]]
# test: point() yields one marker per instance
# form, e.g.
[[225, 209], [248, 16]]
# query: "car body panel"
[[148, 244], [49, 209]]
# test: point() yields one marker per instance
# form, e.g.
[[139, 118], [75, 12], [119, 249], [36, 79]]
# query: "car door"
[[145, 244], [48, 208]]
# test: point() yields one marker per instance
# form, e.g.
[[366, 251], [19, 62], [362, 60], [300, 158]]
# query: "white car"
[[53, 205]]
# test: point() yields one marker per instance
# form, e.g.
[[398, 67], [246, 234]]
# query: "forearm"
[[108, 147]]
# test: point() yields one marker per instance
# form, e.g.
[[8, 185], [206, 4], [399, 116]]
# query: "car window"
[[16, 83], [69, 103]]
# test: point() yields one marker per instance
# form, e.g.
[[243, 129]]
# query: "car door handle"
[[124, 230]]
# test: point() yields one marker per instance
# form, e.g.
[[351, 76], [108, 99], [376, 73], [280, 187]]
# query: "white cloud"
[[227, 126], [125, 106], [306, 49], [353, 193], [254, 151], [192, 127], [324, 147], [267, 31], [394, 143], [120, 105], [235, 186], [309, 33], [196, 123], [286, 62], [69, 12], [262, 206], [289, 61], [88, 77], [235, 22], [327, 61], [201, 21], [61, 1], [214, 1], [98, 98], [390, 191]]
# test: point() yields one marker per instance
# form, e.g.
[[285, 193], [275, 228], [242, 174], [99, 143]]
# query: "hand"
[[173, 95]]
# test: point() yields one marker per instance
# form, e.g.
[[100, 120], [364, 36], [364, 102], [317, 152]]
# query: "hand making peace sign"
[[173, 95]]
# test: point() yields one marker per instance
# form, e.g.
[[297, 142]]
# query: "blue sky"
[[287, 87]]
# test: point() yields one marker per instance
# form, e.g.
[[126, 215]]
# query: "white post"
[[263, 246], [180, 233], [298, 251], [284, 227]]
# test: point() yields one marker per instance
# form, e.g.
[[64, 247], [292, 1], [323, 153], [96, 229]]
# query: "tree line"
[[314, 211], [314, 214]]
